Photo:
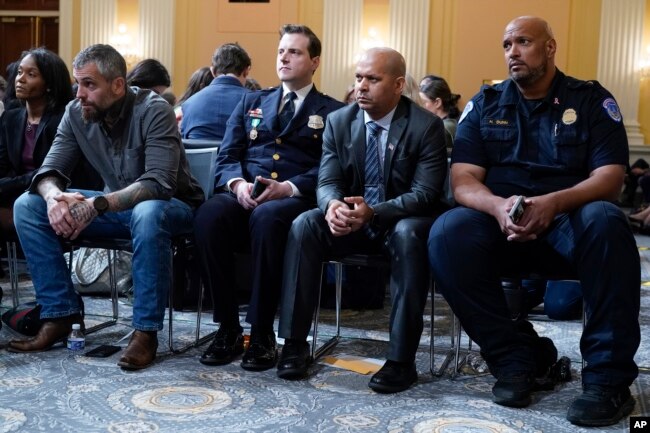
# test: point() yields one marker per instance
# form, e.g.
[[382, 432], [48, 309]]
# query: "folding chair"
[[367, 260], [202, 157], [179, 246], [457, 329]]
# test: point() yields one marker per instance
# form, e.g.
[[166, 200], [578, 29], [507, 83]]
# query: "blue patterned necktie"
[[374, 185], [288, 110]]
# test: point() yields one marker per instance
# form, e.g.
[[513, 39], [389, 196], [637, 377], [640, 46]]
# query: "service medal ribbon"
[[256, 113]]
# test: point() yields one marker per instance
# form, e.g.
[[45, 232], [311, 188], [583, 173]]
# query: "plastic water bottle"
[[76, 339]]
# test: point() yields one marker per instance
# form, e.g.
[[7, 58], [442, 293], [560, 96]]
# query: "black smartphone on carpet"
[[103, 351]]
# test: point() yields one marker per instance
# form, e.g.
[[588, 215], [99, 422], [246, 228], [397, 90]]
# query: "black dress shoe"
[[394, 377], [261, 354], [514, 389], [294, 360], [227, 344], [601, 406]]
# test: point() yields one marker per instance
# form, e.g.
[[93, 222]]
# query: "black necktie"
[[288, 110]]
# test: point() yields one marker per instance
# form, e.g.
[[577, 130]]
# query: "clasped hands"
[[539, 212], [70, 213], [347, 216], [274, 190]]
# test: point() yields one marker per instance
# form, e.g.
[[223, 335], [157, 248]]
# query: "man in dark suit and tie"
[[381, 177], [274, 137]]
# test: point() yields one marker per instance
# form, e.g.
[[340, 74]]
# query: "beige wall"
[[465, 47], [464, 36], [203, 25], [644, 97]]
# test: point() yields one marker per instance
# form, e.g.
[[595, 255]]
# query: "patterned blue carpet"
[[57, 391]]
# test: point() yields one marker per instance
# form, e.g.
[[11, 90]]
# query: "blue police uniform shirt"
[[534, 147]]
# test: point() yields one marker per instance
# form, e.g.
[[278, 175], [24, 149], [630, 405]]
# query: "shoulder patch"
[[612, 109], [469, 107]]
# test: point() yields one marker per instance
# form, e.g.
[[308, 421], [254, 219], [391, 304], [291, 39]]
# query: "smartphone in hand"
[[517, 210], [258, 188]]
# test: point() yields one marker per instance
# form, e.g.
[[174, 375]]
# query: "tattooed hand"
[[69, 213], [82, 212]]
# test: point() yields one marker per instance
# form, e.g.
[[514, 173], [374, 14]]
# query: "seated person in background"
[[642, 217], [3, 88], [350, 97], [276, 142], [200, 78], [570, 174], [411, 89], [205, 113], [149, 74], [130, 137], [9, 100], [562, 298], [379, 187], [252, 84], [636, 174], [26, 133], [169, 97], [438, 99]]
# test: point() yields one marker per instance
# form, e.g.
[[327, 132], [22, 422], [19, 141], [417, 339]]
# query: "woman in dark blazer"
[[26, 133]]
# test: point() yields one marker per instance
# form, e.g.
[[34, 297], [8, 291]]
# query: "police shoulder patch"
[[611, 107], [469, 107]]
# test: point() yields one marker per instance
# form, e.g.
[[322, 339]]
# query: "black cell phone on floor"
[[103, 351]]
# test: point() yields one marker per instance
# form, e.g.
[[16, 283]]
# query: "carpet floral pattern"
[[59, 391]]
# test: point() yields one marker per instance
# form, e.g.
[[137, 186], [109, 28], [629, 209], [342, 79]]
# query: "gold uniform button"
[[276, 156], [278, 141], [274, 175], [316, 136]]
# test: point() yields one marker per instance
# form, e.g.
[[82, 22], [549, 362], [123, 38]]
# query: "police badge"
[[316, 122]]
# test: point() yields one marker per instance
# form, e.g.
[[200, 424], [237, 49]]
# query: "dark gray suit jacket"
[[415, 164]]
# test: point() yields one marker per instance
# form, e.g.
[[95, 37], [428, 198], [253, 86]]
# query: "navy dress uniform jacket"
[[293, 154]]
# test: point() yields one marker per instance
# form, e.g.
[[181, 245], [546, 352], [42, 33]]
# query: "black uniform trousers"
[[310, 242], [468, 253], [222, 227]]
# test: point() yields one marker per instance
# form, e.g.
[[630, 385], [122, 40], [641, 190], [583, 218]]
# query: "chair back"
[[203, 164]]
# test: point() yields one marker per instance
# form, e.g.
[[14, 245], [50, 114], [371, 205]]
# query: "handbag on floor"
[[90, 273], [24, 318]]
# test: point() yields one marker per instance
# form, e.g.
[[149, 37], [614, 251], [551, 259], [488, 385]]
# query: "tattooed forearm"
[[50, 186], [82, 212], [133, 194]]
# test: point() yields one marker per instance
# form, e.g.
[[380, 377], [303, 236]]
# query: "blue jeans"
[[150, 224]]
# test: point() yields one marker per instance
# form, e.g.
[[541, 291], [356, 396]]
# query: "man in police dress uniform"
[[561, 143], [275, 137]]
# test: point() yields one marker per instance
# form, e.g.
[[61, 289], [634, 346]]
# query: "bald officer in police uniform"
[[275, 137], [561, 143]]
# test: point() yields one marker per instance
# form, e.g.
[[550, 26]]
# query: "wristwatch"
[[100, 204]]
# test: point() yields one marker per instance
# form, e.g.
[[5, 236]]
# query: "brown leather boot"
[[52, 331], [141, 350]]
